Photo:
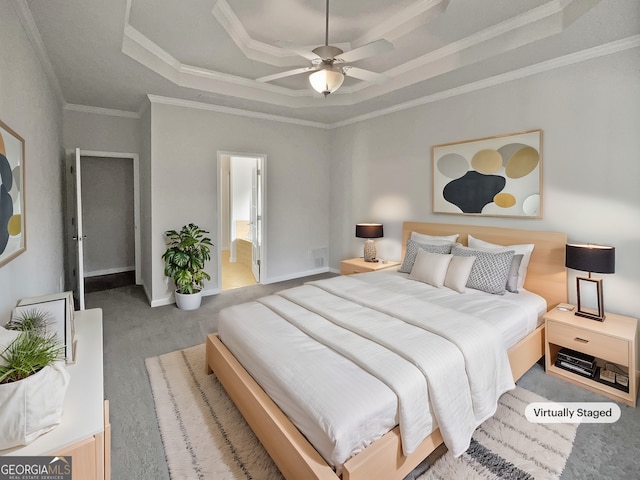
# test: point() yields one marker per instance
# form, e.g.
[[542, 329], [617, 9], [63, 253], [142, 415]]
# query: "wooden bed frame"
[[295, 456]]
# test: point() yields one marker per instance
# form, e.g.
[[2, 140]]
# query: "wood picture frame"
[[497, 176], [13, 235]]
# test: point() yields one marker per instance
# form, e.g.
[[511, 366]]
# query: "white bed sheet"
[[262, 342], [514, 315]]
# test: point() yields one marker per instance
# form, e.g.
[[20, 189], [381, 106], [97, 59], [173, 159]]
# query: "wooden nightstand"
[[358, 265], [610, 341]]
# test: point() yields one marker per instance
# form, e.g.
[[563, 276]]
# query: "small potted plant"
[[33, 379], [187, 252]]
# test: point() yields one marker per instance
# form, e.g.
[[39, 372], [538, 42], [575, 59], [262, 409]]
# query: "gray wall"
[[590, 116], [28, 106], [108, 217], [99, 132], [145, 202], [184, 146]]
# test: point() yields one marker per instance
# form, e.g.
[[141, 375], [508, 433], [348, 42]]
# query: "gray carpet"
[[133, 331]]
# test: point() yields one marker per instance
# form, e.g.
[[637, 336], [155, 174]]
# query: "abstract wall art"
[[496, 176], [12, 211]]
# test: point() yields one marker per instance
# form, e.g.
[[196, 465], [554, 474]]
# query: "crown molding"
[[252, 49], [406, 20], [100, 111], [541, 22], [141, 49], [556, 63], [29, 25], [233, 111], [409, 18], [542, 67]]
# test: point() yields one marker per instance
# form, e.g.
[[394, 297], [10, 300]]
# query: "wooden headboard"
[[546, 274]]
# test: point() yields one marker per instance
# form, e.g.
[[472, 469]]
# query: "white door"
[[255, 223], [73, 229]]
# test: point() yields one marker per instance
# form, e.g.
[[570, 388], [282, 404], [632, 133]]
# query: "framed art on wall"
[[12, 211], [495, 176]]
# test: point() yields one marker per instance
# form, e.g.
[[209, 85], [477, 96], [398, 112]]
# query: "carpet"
[[205, 437]]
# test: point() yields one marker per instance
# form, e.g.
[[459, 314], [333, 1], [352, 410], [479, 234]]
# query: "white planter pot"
[[33, 406], [188, 301]]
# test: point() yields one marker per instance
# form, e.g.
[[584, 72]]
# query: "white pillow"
[[432, 239], [458, 273], [430, 268], [525, 250]]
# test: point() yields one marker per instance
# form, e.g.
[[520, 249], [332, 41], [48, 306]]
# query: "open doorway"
[[241, 202], [101, 219]]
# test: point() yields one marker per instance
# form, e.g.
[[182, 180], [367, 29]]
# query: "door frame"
[[136, 197], [263, 201]]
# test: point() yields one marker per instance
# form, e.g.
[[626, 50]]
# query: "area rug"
[[205, 437]]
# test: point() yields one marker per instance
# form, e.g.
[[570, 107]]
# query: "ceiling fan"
[[329, 63]]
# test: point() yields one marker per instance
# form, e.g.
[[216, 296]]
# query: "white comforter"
[[446, 372]]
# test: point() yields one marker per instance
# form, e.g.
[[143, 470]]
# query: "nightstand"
[[358, 265], [612, 341]]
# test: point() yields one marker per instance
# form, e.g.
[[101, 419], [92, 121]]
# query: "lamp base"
[[590, 316], [590, 289], [370, 251]]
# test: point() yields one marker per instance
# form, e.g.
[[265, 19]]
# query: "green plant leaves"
[[187, 252], [28, 354]]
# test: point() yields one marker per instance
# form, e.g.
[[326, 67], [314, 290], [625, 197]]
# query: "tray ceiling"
[[112, 54]]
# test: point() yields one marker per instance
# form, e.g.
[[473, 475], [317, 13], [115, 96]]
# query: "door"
[[255, 222], [73, 230]]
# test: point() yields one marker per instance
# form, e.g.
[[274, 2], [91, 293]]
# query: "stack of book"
[[576, 362]]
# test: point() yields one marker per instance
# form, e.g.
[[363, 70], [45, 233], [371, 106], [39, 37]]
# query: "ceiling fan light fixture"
[[326, 80]]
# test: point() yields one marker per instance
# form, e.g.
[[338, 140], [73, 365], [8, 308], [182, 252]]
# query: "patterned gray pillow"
[[490, 270], [412, 251]]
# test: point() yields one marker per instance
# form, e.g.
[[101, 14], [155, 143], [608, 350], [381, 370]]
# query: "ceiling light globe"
[[326, 81]]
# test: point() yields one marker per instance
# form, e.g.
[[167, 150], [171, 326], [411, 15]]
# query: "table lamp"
[[369, 231], [590, 258]]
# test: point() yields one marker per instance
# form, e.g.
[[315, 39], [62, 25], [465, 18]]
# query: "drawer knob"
[[581, 340]]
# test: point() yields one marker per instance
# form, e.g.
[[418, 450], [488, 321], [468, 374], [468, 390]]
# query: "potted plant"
[[33, 379], [187, 252]]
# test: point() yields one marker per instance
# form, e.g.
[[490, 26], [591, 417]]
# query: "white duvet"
[[350, 357]]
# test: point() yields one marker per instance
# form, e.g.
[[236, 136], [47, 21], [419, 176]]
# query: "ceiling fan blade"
[[362, 74], [308, 54], [288, 73], [368, 50]]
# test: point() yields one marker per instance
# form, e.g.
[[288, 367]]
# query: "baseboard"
[[109, 271], [161, 302]]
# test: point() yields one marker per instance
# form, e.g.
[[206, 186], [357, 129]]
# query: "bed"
[[385, 458]]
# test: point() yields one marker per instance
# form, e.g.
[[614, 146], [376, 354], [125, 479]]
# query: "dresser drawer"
[[597, 344], [348, 269]]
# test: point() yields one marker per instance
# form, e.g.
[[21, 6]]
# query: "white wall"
[[224, 238], [241, 174], [590, 117], [185, 142], [108, 215], [28, 106], [100, 132]]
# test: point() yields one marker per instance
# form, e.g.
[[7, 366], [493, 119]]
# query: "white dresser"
[[84, 433]]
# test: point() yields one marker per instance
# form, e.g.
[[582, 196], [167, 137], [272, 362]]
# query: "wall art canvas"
[[497, 176], [12, 213]]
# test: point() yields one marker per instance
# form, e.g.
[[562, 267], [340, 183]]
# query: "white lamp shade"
[[326, 81]]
